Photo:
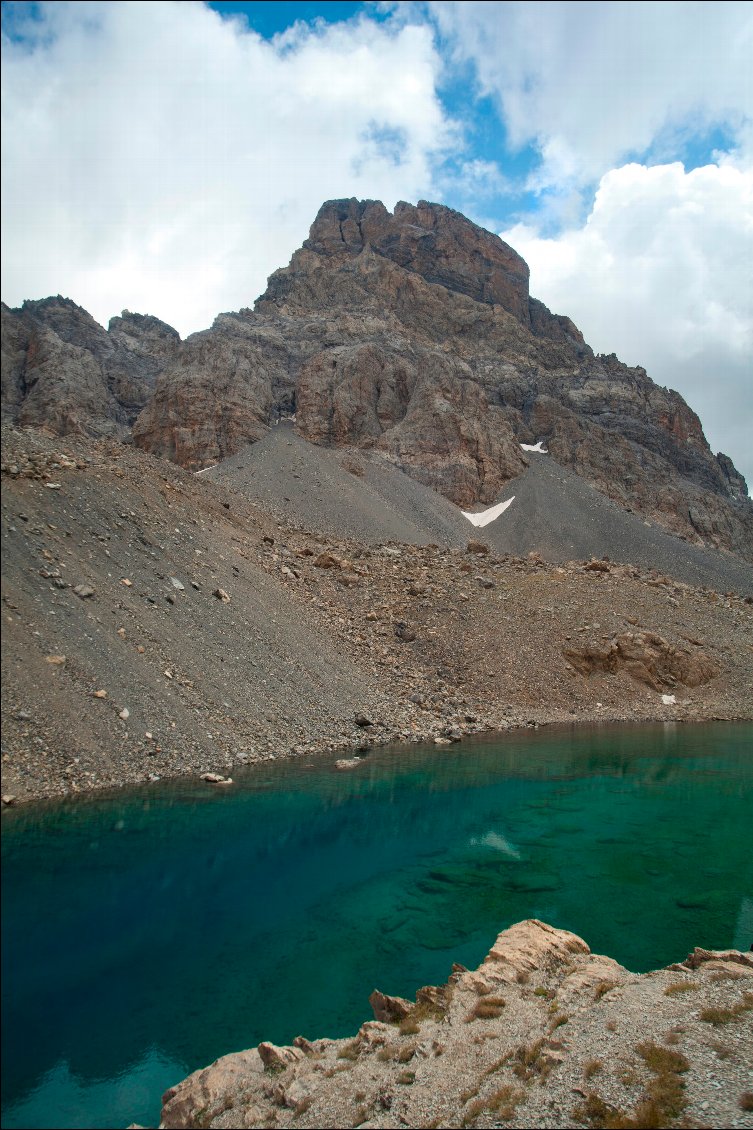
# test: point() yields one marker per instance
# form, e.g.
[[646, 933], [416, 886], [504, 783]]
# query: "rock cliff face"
[[62, 371], [410, 333]]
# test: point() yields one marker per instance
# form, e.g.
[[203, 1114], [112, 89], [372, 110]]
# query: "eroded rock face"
[[410, 332], [63, 371], [648, 658]]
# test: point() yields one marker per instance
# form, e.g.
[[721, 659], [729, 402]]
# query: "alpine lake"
[[149, 930]]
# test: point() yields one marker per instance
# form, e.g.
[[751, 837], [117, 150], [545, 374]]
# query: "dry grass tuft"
[[502, 1103], [680, 987], [528, 1062], [349, 1051], [487, 1008], [662, 1102], [719, 1016]]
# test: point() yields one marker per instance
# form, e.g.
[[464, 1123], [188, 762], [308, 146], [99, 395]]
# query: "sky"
[[166, 156]]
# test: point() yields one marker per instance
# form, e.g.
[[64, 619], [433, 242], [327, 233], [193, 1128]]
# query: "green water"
[[149, 931]]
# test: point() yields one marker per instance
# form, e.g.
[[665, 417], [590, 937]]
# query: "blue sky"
[[167, 156]]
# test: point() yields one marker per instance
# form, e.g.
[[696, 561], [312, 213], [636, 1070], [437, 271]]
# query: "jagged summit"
[[439, 244], [410, 333]]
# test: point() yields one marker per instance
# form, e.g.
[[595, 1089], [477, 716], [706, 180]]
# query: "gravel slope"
[[163, 675], [353, 494], [345, 493], [559, 515]]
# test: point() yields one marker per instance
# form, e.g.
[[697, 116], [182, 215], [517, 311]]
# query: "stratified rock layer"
[[543, 1033]]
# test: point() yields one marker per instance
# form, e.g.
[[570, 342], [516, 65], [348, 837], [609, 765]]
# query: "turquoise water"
[[151, 930]]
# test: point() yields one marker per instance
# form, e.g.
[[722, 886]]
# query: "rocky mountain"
[[410, 334], [62, 371]]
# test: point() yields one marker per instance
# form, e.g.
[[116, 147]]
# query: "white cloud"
[[161, 158], [662, 274], [591, 84]]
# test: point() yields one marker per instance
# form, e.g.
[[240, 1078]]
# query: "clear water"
[[147, 932]]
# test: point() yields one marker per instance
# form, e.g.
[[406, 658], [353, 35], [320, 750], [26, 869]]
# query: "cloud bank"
[[161, 158], [661, 273], [592, 84]]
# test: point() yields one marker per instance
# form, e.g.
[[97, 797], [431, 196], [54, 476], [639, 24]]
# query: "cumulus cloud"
[[662, 274], [590, 85], [159, 157]]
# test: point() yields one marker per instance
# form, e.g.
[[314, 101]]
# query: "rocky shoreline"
[[543, 1034]]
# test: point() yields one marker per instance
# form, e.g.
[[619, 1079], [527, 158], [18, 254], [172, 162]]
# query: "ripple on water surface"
[[151, 930]]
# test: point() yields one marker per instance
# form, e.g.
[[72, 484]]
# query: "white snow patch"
[[668, 699], [486, 516], [535, 447]]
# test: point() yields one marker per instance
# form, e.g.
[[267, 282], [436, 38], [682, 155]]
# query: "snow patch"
[[535, 447], [484, 517]]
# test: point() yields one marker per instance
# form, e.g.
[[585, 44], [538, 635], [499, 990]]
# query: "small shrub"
[[409, 1026], [611, 1025], [745, 1102], [540, 991], [558, 1020], [406, 1077], [604, 987], [405, 1053]]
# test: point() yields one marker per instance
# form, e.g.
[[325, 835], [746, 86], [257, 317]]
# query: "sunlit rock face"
[[409, 332]]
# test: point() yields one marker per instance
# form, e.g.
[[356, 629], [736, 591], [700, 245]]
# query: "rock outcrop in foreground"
[[543, 1034], [412, 334]]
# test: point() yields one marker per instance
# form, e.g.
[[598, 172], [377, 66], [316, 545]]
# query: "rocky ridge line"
[[410, 333]]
